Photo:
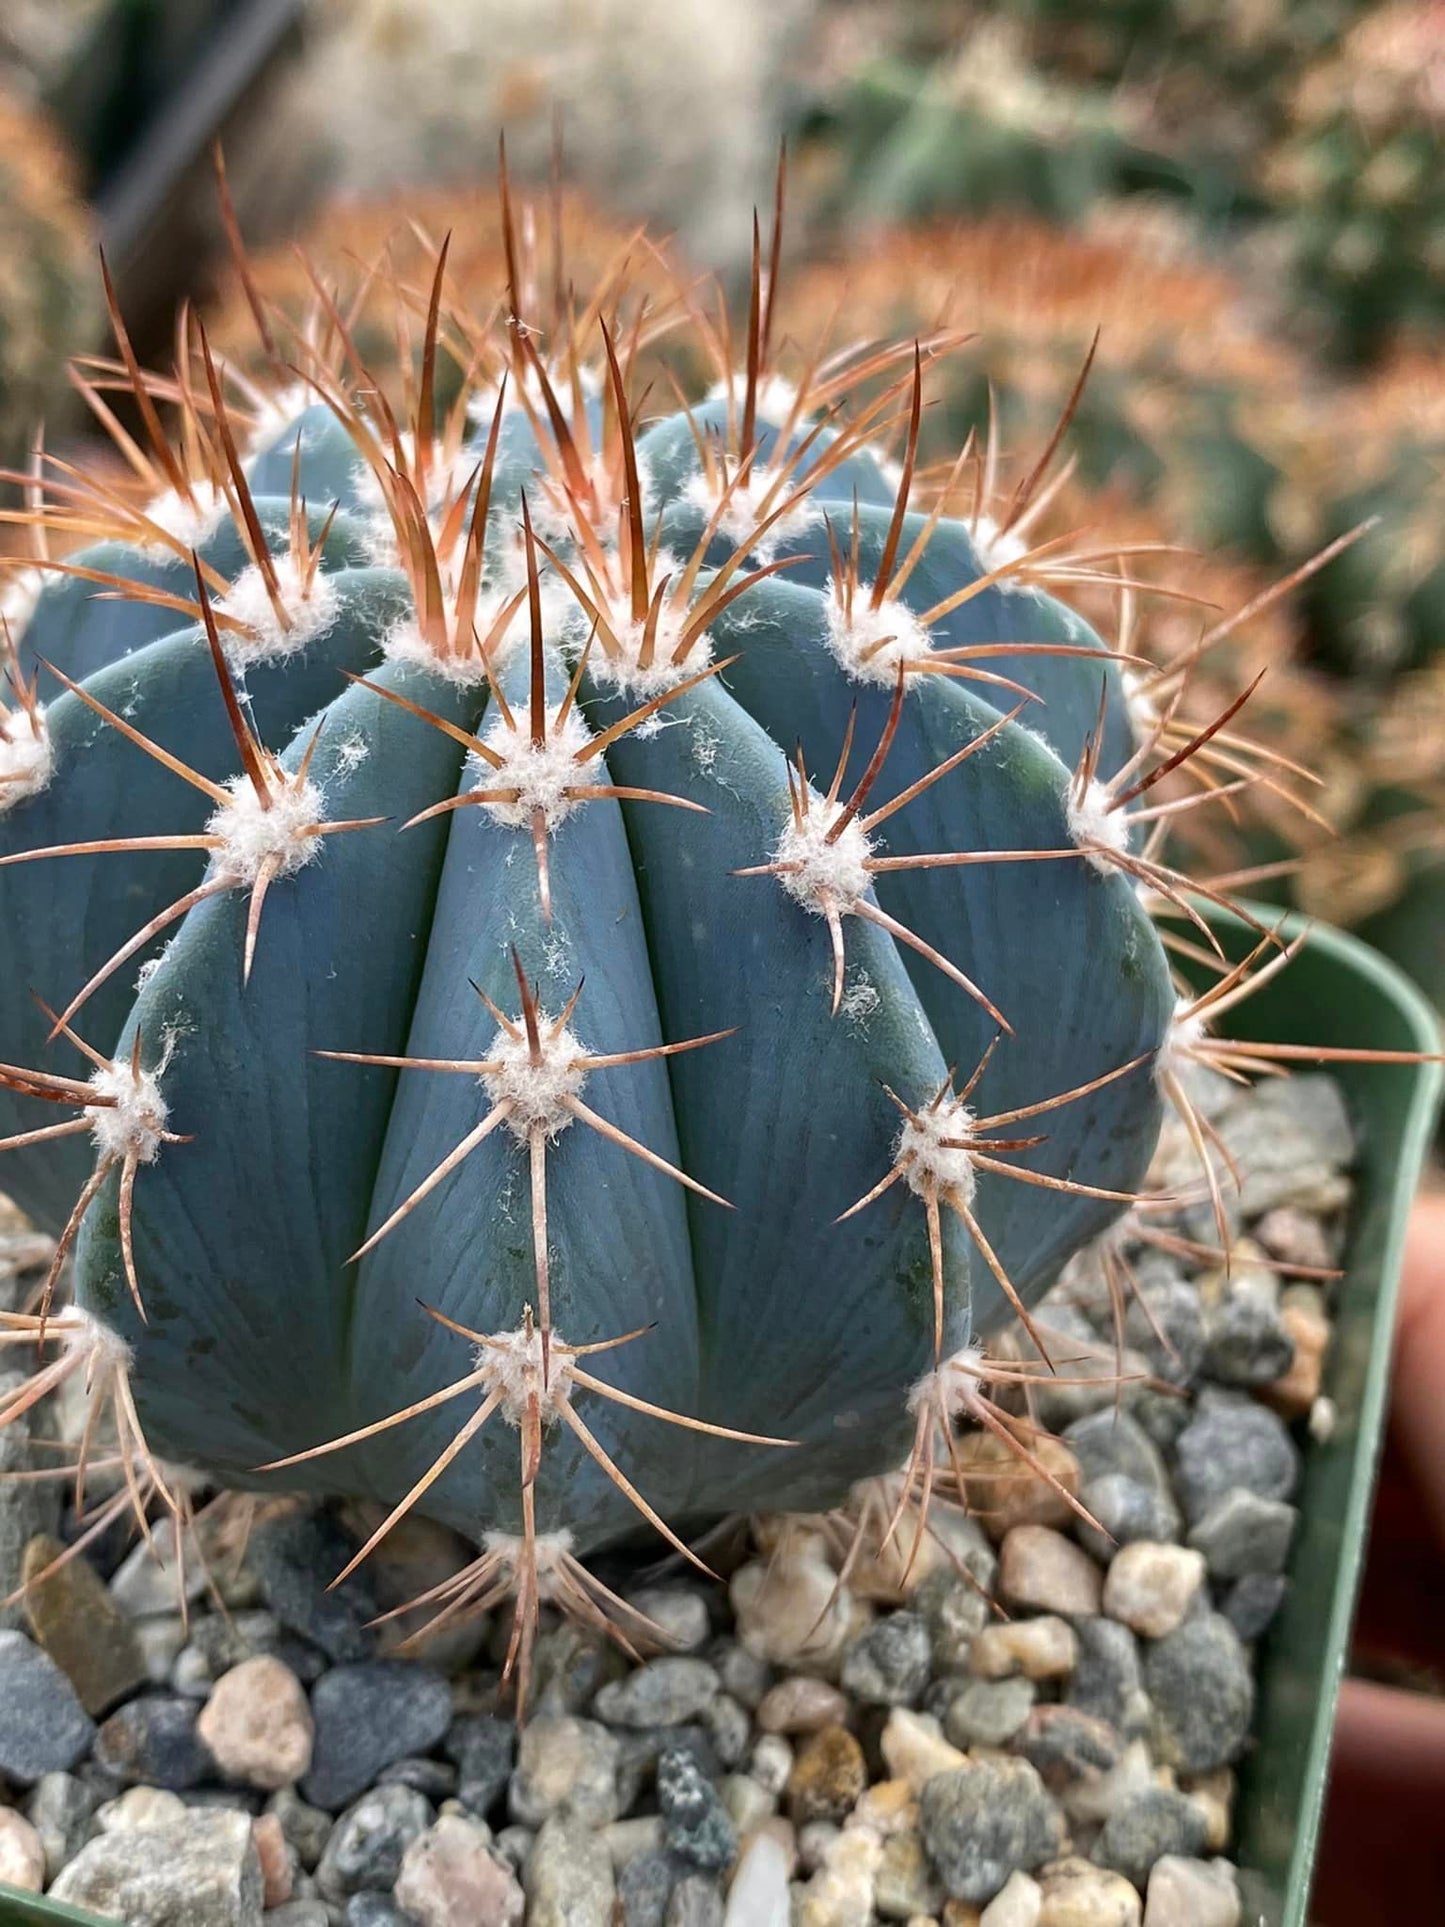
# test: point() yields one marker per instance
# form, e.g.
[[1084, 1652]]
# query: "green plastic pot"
[[1337, 993]]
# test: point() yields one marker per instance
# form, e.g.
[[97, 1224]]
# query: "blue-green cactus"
[[648, 889]]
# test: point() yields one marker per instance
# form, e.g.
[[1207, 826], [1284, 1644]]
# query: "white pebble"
[[914, 1748], [22, 1857], [1018, 1903], [1150, 1586], [1044, 1648], [1191, 1893], [759, 1893]]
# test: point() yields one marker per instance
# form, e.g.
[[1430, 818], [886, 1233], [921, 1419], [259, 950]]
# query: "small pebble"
[[374, 1910], [274, 1854], [801, 1705], [815, 1842], [790, 1610], [1295, 1391], [366, 1716], [828, 1776], [1043, 1571], [1077, 1894], [1145, 1827], [299, 1913], [202, 1869], [61, 1808], [367, 1844], [696, 1901], [1199, 1681], [154, 1741], [1233, 1440], [79, 1624], [742, 1673], [957, 1609], [1244, 1533], [889, 1665], [1123, 1511], [696, 1824], [1107, 1681], [771, 1762], [915, 1750], [1017, 1903], [258, 1725], [568, 1879], [905, 1885], [1150, 1587], [748, 1804], [484, 1749], [1247, 1342], [1064, 1743], [140, 1807], [758, 1896], [161, 1640], [1045, 1648], [840, 1894], [981, 1823], [988, 1712], [1001, 1492], [1192, 1893], [1252, 1602], [566, 1766], [147, 1580], [43, 1726], [664, 1692], [22, 1853], [644, 1886], [681, 1614], [450, 1878], [306, 1828], [1213, 1793], [295, 1558]]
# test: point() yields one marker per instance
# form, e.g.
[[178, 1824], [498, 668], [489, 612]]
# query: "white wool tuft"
[[309, 612], [482, 406], [830, 871], [536, 1092], [131, 1125], [996, 548], [625, 671], [82, 1333], [542, 776], [274, 412], [253, 837], [954, 1388], [1100, 832], [550, 1550], [778, 400], [901, 635], [190, 522], [1187, 1029], [1143, 710], [18, 598], [404, 643], [747, 504], [923, 1154], [27, 760], [448, 474], [512, 1365]]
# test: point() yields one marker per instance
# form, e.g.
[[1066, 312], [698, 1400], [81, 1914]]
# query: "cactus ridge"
[[662, 906]]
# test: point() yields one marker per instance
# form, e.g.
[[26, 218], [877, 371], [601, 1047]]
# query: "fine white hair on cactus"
[[634, 670], [511, 1365], [1098, 830], [548, 1552], [404, 643], [27, 759], [999, 548], [524, 389], [83, 1336], [820, 874], [869, 643], [278, 836], [930, 1162], [779, 400], [1188, 1028], [747, 502], [540, 773], [537, 1087], [954, 1389], [1142, 708], [130, 1121], [189, 520], [18, 598], [275, 411], [310, 609]]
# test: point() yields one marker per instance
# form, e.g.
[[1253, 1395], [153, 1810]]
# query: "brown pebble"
[[275, 1857], [801, 1705], [1001, 1492], [1294, 1393], [258, 1725], [1041, 1569], [73, 1616], [827, 1777]]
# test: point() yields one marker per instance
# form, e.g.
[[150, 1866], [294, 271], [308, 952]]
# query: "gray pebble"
[[28, 1507], [514, 1844], [1097, 1379], [988, 1712], [1107, 1681], [372, 1910], [644, 1887], [664, 1692], [61, 1809], [43, 1727], [1126, 1512], [1291, 1138], [294, 1559], [1199, 1682], [696, 1825], [1165, 1325], [730, 1727], [569, 1879], [1244, 1533], [982, 1822], [366, 1716], [956, 1609], [1112, 1441], [484, 1748], [1246, 1343], [1163, 1415], [888, 1665], [1252, 1602], [679, 1612], [569, 1667], [306, 1828], [1146, 1825], [1232, 1440], [202, 1870], [696, 1902], [368, 1841], [566, 1765], [153, 1742], [298, 1913], [1061, 1737], [146, 1581], [641, 1750], [433, 1778], [743, 1675]]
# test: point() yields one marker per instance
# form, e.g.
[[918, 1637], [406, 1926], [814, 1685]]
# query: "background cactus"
[[759, 984]]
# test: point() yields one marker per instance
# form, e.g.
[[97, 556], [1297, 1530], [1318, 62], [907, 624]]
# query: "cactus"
[[640, 931], [47, 307]]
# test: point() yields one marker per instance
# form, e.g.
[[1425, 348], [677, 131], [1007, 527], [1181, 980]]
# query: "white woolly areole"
[[276, 411], [1143, 710], [778, 400], [537, 1093], [996, 548], [511, 1363], [1187, 1029], [1100, 832], [870, 643], [27, 760], [829, 873], [18, 598], [924, 1156], [190, 521], [82, 1333], [482, 406], [954, 1388], [310, 612], [747, 503], [540, 776], [549, 1552], [625, 670], [129, 1121], [405, 643], [282, 838], [448, 474]]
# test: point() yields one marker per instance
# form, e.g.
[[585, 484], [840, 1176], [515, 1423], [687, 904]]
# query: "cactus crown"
[[652, 887]]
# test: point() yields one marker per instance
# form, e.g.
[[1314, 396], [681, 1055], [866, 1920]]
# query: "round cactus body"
[[583, 957]]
